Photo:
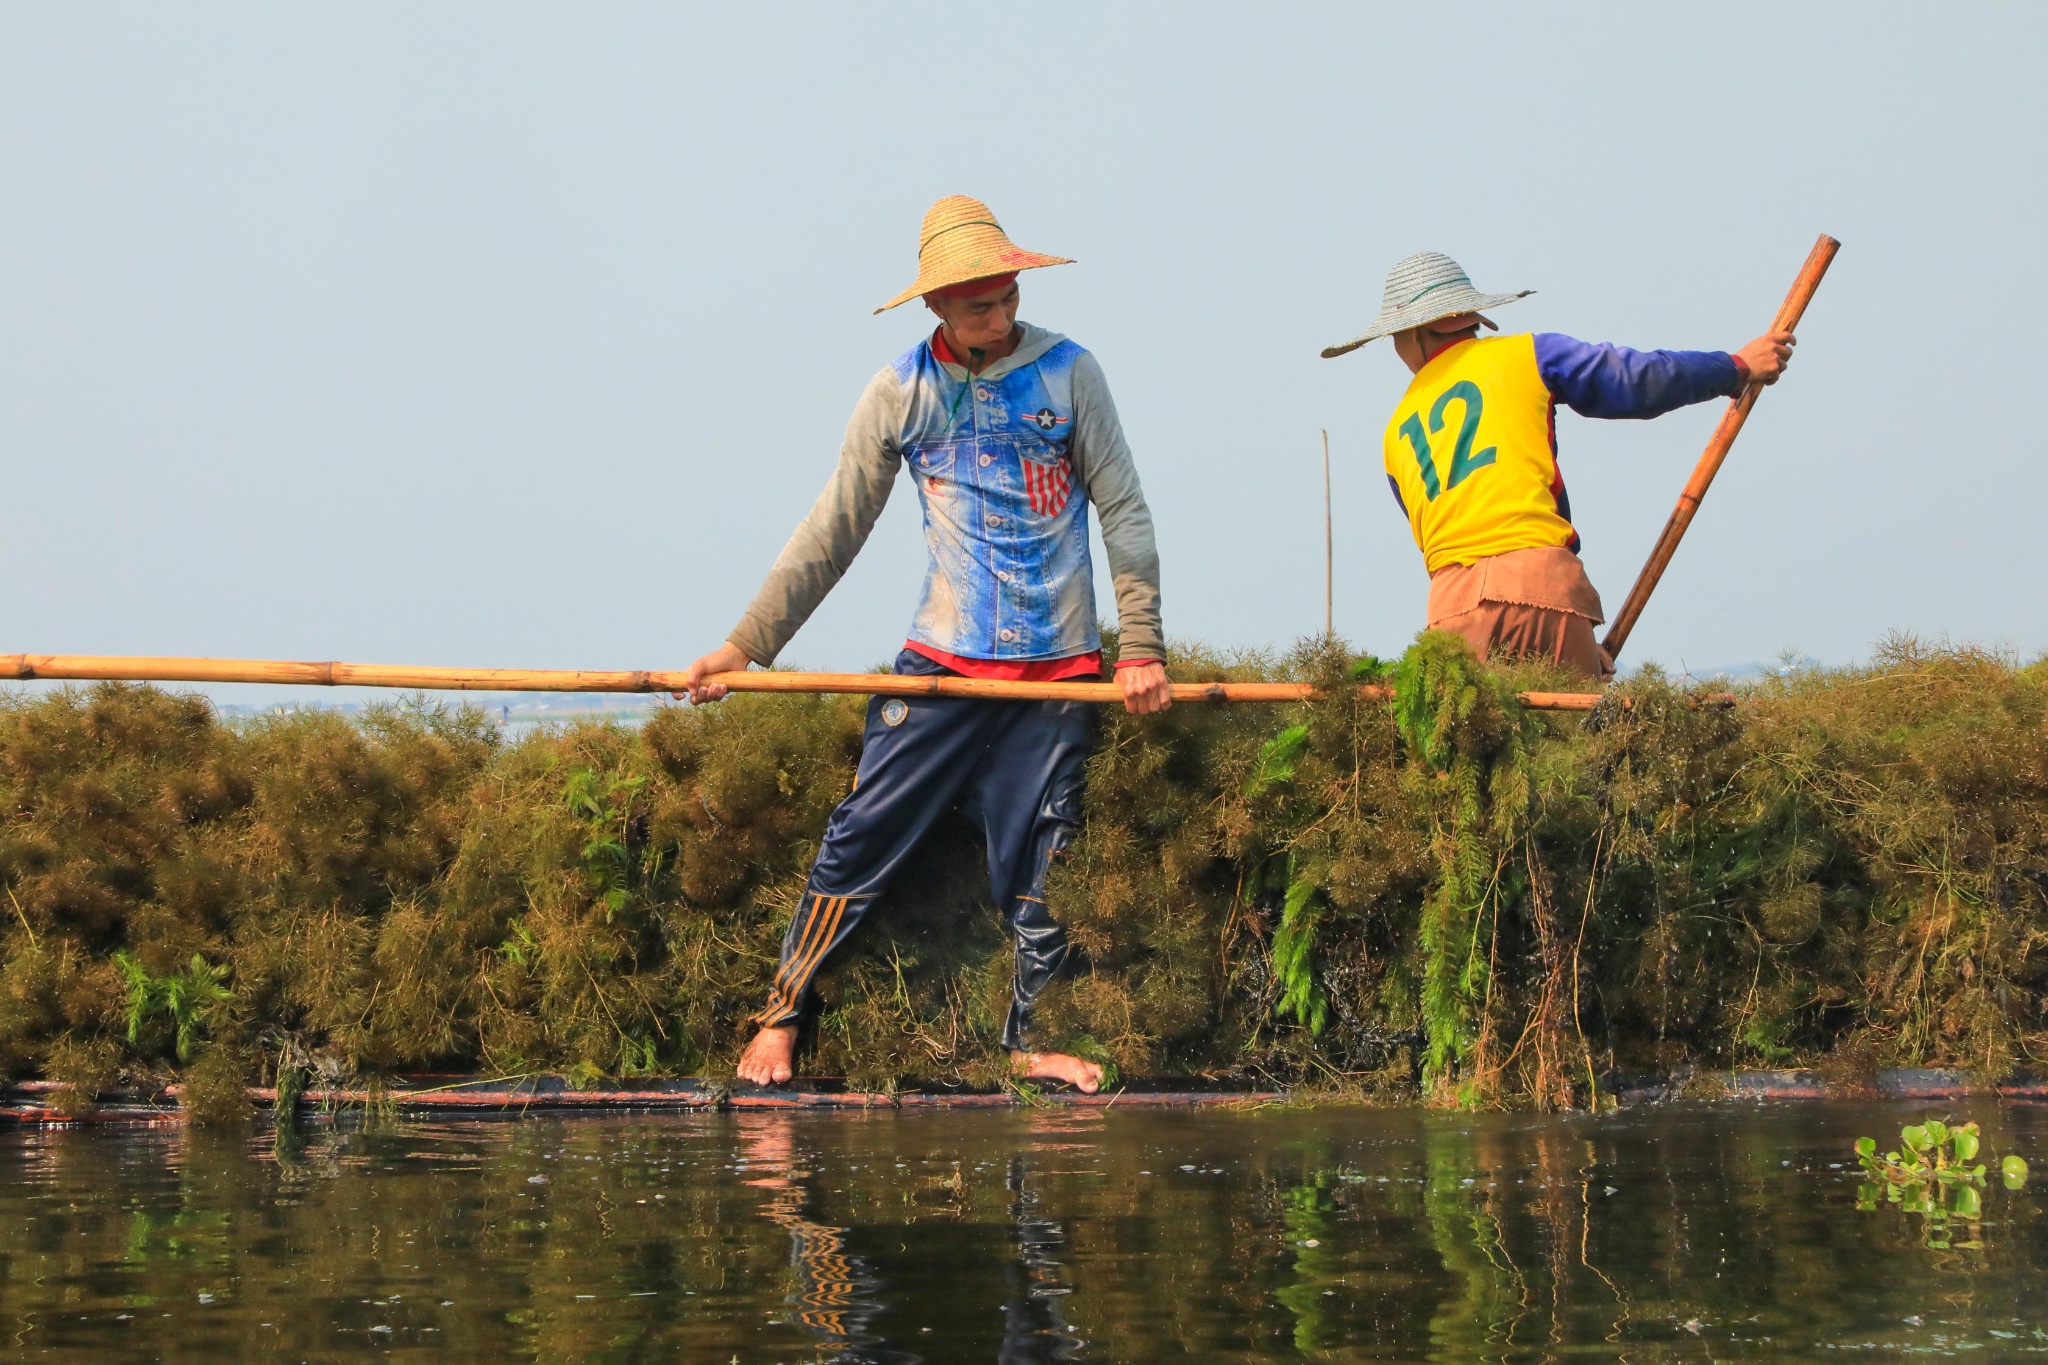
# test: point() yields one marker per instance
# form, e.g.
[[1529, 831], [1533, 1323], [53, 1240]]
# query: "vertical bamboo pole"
[[1329, 549], [1724, 436]]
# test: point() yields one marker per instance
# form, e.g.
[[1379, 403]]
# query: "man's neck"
[[975, 359], [1434, 346]]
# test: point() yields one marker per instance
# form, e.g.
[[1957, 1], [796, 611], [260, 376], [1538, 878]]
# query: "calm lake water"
[[1682, 1233]]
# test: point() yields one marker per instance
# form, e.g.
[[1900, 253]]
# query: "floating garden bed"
[[1448, 896]]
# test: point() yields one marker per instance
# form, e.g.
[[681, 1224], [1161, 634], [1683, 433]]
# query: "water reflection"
[[1034, 1326], [1035, 1236], [836, 1293]]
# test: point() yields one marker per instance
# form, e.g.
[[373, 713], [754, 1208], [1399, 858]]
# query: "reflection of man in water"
[[1034, 1327], [836, 1293]]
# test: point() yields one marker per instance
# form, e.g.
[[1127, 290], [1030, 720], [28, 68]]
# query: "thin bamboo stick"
[[1709, 465], [1329, 549], [145, 668]]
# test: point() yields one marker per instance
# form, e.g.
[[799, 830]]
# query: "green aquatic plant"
[[1469, 739], [291, 1088], [1934, 1173], [605, 806], [1930, 1152], [188, 1000], [1278, 758], [1301, 995]]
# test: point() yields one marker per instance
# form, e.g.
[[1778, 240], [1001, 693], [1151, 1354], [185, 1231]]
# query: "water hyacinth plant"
[[1934, 1173], [1928, 1153]]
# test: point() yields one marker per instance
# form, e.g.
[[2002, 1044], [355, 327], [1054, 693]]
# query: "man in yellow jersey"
[[1471, 453]]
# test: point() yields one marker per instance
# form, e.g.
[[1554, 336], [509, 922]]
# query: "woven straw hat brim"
[[1445, 304], [961, 241], [1011, 259]]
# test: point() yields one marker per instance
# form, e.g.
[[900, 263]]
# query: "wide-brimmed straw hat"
[[1421, 289], [962, 241]]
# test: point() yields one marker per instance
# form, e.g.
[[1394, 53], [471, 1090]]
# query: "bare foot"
[[768, 1060], [1085, 1077]]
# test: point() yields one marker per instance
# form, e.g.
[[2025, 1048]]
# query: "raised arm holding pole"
[[1784, 324], [1471, 454]]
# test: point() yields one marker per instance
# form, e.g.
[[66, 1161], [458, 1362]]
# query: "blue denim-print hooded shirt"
[[1006, 463]]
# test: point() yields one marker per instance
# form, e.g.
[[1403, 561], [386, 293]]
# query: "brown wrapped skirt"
[[1526, 604]]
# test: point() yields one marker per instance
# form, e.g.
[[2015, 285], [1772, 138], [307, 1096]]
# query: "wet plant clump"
[[1934, 1173], [1448, 895], [1930, 1153]]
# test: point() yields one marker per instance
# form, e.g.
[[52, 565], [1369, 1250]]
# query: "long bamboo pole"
[[1724, 436], [144, 668], [1329, 549]]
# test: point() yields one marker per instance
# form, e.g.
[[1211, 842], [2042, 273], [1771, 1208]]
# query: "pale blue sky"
[[523, 335]]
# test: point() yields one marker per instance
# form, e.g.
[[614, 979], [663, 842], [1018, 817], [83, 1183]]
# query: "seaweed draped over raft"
[[1461, 900]]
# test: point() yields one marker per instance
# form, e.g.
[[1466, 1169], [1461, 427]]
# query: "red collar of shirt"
[[941, 351]]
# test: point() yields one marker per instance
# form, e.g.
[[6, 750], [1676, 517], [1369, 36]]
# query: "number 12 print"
[[1463, 461]]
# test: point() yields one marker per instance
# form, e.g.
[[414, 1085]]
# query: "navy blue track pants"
[[1018, 765]]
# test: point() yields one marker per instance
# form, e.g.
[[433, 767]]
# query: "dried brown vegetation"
[[1491, 903]]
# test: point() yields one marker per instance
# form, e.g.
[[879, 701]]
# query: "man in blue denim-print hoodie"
[[1010, 434]]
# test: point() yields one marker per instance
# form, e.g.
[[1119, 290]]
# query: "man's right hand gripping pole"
[[727, 658]]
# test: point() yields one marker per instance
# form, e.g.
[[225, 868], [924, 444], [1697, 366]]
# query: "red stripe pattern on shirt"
[[1047, 486]]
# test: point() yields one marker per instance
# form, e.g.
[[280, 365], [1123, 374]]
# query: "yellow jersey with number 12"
[[1472, 454]]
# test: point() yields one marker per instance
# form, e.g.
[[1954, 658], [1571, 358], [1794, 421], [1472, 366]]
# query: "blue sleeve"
[[1613, 381], [1399, 501]]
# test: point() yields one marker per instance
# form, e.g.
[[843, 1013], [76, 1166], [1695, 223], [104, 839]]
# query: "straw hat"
[[962, 241], [1421, 289]]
